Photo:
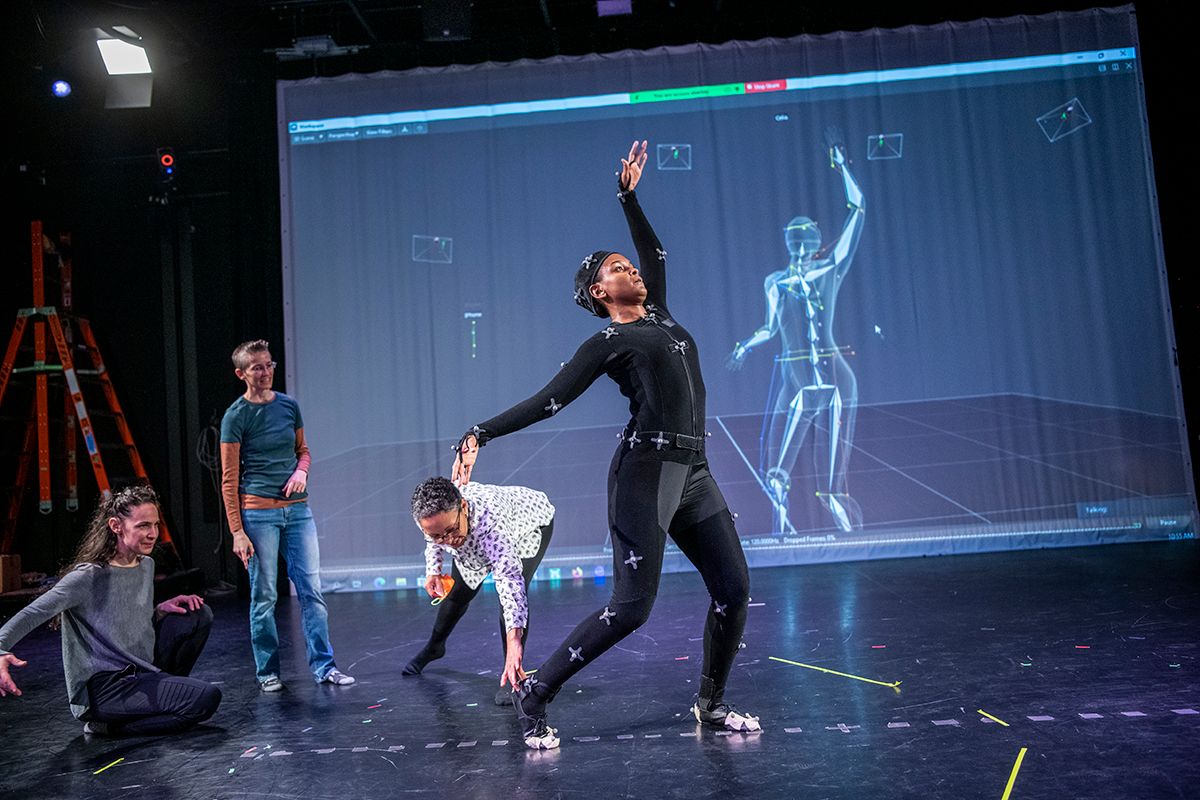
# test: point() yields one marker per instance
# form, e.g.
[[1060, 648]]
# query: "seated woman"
[[125, 660], [504, 530]]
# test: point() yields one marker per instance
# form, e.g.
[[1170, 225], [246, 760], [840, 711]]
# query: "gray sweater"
[[107, 623]]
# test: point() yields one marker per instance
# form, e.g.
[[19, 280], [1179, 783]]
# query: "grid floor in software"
[[974, 461]]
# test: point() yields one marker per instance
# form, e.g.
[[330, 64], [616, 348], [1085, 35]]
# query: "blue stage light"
[[60, 88]]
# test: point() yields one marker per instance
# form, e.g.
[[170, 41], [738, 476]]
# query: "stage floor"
[[1089, 655]]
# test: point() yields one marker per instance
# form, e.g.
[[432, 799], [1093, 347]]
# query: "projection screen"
[[955, 339]]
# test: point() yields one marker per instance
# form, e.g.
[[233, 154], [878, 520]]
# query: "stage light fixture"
[[130, 78], [60, 88], [121, 55]]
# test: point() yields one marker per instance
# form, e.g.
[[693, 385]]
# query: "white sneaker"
[[337, 678], [271, 684]]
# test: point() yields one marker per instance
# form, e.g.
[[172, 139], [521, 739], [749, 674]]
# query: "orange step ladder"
[[61, 328]]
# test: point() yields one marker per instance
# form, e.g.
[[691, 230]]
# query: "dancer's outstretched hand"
[[464, 462], [513, 674], [7, 686], [433, 585], [631, 166]]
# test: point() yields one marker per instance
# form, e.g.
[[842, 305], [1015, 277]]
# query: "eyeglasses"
[[452, 533], [259, 369]]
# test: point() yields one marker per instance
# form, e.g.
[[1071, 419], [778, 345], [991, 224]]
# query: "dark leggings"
[[647, 500], [138, 702], [451, 609]]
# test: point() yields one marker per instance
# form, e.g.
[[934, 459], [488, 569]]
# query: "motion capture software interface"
[[1106, 64], [1040, 477]]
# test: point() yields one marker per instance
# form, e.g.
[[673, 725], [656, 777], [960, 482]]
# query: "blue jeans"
[[291, 527]]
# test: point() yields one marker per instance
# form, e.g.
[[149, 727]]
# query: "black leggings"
[[455, 604], [647, 500], [137, 702]]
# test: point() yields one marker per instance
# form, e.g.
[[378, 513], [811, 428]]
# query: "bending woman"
[[658, 484], [502, 530]]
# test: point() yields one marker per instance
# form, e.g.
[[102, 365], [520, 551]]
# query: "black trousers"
[[649, 499], [138, 702], [455, 604]]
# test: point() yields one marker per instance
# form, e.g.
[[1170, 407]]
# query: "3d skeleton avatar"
[[812, 384]]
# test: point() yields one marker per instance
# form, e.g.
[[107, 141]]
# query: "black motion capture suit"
[[658, 484]]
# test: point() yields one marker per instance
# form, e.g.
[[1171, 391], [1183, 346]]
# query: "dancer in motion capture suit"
[[504, 530], [813, 380], [658, 484]]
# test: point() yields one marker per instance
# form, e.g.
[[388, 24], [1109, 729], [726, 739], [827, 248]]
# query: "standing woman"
[[659, 483], [126, 661], [264, 484]]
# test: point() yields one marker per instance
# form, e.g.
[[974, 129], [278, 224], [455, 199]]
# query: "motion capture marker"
[[1091, 716], [894, 685], [109, 766], [899, 725], [680, 346], [553, 407], [606, 616], [610, 332], [720, 609], [662, 254], [576, 653], [946, 722], [633, 559], [1133, 714], [1040, 718], [1012, 779], [755, 605], [988, 716], [467, 744], [499, 742], [660, 441], [634, 441]]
